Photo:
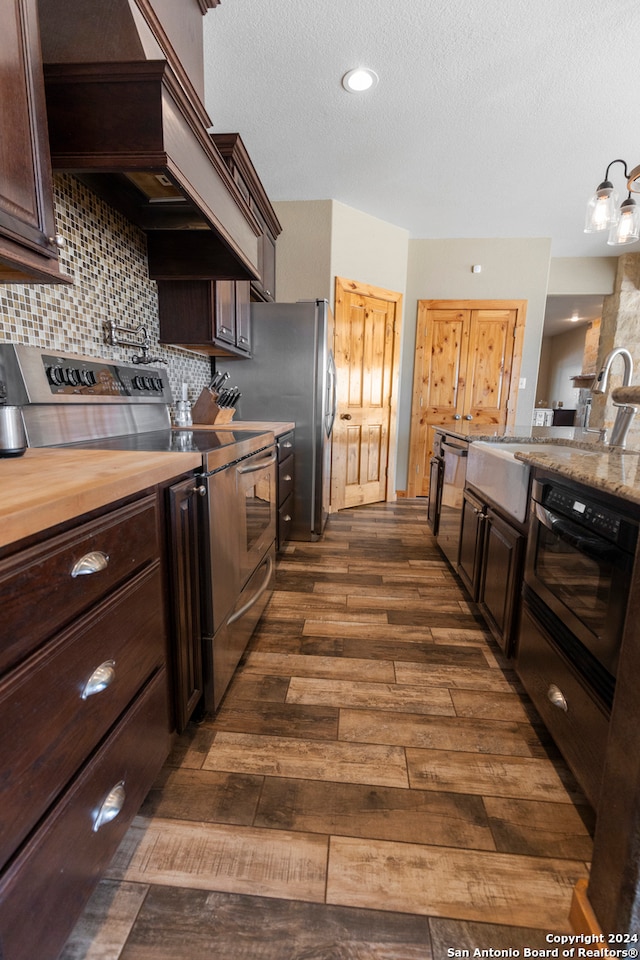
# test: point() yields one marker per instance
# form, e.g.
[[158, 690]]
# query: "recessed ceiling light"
[[359, 79]]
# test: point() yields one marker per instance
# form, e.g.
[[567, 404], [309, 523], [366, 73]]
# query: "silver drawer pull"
[[286, 477], [286, 518], [557, 698], [287, 444], [91, 563], [100, 679], [111, 806]]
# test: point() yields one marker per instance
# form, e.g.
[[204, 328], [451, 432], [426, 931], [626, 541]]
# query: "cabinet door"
[[435, 490], [185, 601], [243, 315], [501, 578], [471, 542], [225, 311], [27, 224]]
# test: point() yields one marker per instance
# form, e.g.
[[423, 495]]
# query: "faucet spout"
[[602, 379]]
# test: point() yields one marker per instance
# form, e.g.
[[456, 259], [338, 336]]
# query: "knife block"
[[206, 409]]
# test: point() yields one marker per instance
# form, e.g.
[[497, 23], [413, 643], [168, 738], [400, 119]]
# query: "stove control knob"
[[88, 378], [55, 377], [138, 382], [72, 376]]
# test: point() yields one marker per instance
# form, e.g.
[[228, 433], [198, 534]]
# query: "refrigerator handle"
[[331, 372]]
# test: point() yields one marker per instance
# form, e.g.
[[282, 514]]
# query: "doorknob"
[[468, 416], [345, 416], [457, 416]]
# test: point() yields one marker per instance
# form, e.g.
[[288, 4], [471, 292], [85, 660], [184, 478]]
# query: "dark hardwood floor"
[[375, 786]]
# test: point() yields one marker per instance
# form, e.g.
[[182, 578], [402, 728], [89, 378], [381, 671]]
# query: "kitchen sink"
[[492, 469]]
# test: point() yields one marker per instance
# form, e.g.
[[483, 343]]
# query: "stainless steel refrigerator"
[[292, 377]]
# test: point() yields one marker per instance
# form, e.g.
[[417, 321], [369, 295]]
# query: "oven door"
[[255, 480], [582, 578]]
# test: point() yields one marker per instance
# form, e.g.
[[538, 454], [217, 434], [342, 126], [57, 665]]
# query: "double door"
[[466, 370]]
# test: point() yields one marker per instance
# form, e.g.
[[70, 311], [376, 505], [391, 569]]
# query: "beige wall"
[[303, 261], [512, 269], [562, 357], [582, 275], [368, 250]]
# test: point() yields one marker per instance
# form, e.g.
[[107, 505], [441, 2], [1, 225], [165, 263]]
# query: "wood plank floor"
[[375, 786]]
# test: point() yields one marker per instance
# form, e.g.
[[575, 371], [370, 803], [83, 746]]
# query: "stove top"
[[218, 448]]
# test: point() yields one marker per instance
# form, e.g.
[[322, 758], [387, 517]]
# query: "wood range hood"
[[132, 134]]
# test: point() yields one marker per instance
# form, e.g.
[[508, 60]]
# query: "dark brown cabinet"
[[286, 479], [471, 543], [490, 566], [503, 553], [86, 725], [210, 316], [186, 637], [28, 243], [244, 174]]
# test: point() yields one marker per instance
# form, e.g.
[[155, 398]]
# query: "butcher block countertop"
[[48, 486], [276, 427]]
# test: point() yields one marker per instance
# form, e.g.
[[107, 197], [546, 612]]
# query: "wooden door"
[[366, 355], [467, 364]]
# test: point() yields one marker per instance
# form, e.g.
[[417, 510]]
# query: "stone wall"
[[620, 327]]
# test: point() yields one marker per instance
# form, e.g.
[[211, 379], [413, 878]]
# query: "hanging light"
[[603, 213], [627, 229]]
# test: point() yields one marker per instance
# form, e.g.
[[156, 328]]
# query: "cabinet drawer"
[[45, 888], [285, 479], [49, 728], [285, 445], [285, 519], [41, 577], [580, 731]]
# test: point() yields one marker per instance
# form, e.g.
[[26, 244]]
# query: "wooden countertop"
[[277, 427], [48, 486]]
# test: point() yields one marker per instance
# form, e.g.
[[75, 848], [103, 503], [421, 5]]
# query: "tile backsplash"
[[105, 255]]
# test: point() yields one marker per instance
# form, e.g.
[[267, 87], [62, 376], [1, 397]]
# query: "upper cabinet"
[[244, 174], [28, 242]]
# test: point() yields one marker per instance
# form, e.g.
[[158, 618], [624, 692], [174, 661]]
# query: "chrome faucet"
[[624, 412]]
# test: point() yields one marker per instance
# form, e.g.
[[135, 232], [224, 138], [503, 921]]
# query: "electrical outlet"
[[523, 383]]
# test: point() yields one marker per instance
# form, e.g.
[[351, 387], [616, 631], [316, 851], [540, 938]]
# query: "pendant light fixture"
[[623, 223]]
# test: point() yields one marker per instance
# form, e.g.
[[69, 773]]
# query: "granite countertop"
[[577, 455], [523, 433], [616, 472], [49, 485]]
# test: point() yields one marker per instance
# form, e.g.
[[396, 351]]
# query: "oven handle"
[[456, 449], [254, 599], [573, 535], [252, 467]]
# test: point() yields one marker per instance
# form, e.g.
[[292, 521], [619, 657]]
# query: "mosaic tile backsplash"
[[106, 256]]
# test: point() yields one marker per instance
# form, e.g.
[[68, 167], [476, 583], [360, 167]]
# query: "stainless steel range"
[[87, 402]]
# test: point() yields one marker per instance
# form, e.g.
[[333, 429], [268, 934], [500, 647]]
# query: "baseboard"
[[584, 921]]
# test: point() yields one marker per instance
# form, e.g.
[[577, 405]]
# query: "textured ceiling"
[[492, 118]]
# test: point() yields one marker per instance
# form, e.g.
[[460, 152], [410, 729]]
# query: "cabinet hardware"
[[557, 698], [345, 416], [102, 677], [287, 478], [92, 562], [286, 518], [111, 806], [468, 416], [287, 444], [457, 416], [201, 490]]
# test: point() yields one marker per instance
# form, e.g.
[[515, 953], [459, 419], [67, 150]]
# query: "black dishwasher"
[[454, 470]]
